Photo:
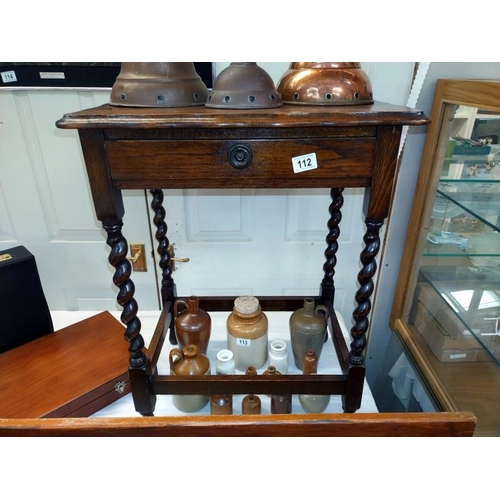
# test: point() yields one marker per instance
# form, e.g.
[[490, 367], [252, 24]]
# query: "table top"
[[288, 115], [278, 329]]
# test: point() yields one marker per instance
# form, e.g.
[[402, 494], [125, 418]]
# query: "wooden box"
[[72, 372]]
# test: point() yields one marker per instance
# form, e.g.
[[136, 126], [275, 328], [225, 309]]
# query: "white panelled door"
[[263, 242], [46, 206]]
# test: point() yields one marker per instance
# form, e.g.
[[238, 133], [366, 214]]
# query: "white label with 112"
[[304, 162]]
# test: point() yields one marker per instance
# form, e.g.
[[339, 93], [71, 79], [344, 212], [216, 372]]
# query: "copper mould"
[[325, 83], [158, 84], [243, 85]]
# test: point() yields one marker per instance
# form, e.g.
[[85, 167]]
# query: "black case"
[[24, 312]]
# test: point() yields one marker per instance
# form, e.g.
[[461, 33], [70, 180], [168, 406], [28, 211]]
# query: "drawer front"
[[176, 164]]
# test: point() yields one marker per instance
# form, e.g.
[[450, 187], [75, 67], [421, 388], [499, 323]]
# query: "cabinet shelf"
[[463, 304], [476, 245], [480, 200]]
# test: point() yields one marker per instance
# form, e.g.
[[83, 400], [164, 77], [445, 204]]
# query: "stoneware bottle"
[[224, 364], [251, 405], [192, 324], [186, 362], [269, 371], [221, 404], [313, 403], [281, 403], [307, 330], [247, 333], [278, 356]]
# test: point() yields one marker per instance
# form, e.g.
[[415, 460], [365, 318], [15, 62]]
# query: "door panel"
[[261, 242], [46, 203]]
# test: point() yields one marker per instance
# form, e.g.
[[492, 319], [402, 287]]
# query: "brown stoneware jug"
[[271, 370], [313, 403], [307, 330], [281, 403], [251, 405], [192, 324], [187, 362], [221, 404]]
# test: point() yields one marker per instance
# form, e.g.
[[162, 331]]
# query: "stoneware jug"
[[313, 403], [281, 403], [192, 324], [307, 330], [251, 405], [186, 362], [221, 404]]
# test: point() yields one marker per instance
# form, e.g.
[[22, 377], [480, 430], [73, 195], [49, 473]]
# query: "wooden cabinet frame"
[[449, 94]]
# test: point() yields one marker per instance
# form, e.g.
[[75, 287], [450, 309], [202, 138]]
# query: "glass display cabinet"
[[446, 310]]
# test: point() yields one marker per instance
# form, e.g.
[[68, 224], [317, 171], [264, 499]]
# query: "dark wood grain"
[[65, 372], [379, 195], [205, 164], [453, 424], [110, 117]]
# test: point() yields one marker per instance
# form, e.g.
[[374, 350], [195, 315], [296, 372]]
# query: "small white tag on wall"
[[8, 76], [52, 75], [304, 162]]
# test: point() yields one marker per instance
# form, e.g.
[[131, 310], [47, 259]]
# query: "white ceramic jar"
[[224, 364], [278, 356]]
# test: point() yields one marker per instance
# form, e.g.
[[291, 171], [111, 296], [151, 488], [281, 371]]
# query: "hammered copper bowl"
[[243, 85], [325, 83], [163, 84]]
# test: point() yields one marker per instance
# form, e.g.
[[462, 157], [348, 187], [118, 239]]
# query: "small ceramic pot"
[[224, 364], [278, 356]]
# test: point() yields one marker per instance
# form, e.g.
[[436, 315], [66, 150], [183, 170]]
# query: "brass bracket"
[[138, 257]]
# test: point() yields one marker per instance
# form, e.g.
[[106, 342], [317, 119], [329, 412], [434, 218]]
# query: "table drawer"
[[207, 163]]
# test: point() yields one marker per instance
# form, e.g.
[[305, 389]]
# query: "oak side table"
[[292, 146]]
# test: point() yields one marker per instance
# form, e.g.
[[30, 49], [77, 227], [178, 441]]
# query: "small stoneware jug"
[[270, 370], [221, 404], [281, 403], [307, 330], [251, 405], [313, 403], [186, 362], [192, 324]]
